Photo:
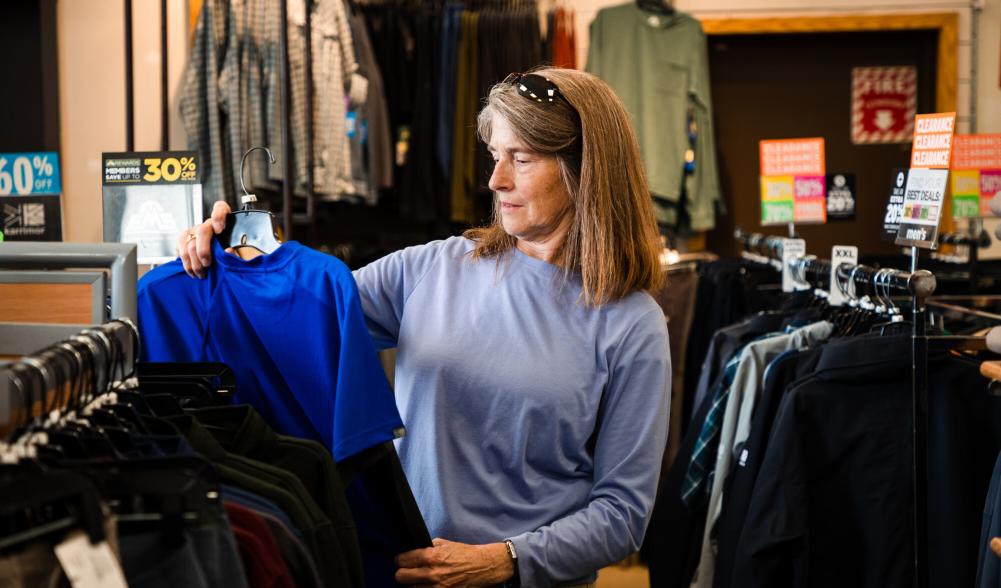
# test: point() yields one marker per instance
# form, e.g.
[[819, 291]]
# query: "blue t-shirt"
[[530, 416], [290, 326]]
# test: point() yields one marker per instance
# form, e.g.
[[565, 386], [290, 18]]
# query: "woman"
[[533, 368]]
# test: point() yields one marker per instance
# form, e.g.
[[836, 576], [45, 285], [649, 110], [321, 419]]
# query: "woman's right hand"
[[194, 246]]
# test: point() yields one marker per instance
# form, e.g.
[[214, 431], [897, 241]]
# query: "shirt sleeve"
[[630, 443], [385, 285], [365, 414]]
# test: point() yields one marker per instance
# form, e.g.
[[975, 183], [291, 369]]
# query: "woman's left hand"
[[447, 563]]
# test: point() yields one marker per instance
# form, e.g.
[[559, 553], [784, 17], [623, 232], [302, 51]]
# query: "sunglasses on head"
[[536, 88]]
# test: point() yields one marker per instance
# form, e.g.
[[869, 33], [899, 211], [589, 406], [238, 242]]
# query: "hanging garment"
[[199, 103], [988, 563], [290, 326], [258, 549], [734, 427], [368, 123], [241, 430], [658, 66], [463, 175], [780, 374], [835, 485], [564, 44], [677, 299], [445, 115]]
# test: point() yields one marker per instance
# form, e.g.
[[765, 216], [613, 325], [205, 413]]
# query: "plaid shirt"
[[699, 478], [235, 70]]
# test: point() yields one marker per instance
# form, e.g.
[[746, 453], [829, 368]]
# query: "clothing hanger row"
[[70, 374]]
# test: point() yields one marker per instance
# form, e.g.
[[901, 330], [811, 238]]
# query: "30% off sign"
[[169, 169]]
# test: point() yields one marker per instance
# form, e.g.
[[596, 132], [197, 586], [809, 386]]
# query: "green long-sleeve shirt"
[[658, 66]]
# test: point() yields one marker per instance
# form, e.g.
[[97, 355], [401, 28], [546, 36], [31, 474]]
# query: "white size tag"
[[89, 566], [791, 249], [840, 254]]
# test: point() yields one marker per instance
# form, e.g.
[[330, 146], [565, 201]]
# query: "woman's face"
[[530, 196]]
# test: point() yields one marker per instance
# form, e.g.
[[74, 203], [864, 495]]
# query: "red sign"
[[884, 102]]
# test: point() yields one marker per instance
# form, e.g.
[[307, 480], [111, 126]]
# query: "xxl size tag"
[[87, 565], [840, 254], [791, 249]]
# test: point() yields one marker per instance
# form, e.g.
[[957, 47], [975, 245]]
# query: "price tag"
[[791, 249], [29, 174], [923, 196], [87, 565], [840, 254]]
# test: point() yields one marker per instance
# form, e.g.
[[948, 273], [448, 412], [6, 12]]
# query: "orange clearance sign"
[[932, 147], [976, 152], [792, 157]]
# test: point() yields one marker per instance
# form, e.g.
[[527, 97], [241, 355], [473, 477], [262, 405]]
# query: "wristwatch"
[[514, 581]]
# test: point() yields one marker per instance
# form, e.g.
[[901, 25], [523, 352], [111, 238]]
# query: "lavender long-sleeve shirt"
[[529, 415]]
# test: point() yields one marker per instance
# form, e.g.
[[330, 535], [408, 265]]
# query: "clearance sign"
[[931, 154], [793, 188], [976, 174]]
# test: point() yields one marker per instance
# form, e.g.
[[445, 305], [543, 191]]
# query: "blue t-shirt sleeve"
[[627, 458], [363, 393], [385, 285]]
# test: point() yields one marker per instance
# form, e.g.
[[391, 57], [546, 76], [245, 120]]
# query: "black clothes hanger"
[[248, 227]]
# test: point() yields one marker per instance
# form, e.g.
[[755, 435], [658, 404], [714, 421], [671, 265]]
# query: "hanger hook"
[[271, 160]]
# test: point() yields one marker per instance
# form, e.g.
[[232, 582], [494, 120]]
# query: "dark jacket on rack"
[[832, 503]]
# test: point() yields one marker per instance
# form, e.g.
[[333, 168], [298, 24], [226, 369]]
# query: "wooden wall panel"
[[46, 303]]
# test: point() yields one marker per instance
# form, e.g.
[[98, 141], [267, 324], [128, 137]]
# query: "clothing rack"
[[920, 284], [98, 356], [287, 218]]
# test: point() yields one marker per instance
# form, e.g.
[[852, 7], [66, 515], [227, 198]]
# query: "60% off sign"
[[22, 174]]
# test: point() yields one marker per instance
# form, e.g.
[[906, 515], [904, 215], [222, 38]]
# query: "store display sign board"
[[924, 194], [30, 174], [932, 146], [923, 198], [30, 184], [976, 174], [840, 196], [840, 254], [895, 206], [793, 185], [149, 198], [884, 102], [791, 249]]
